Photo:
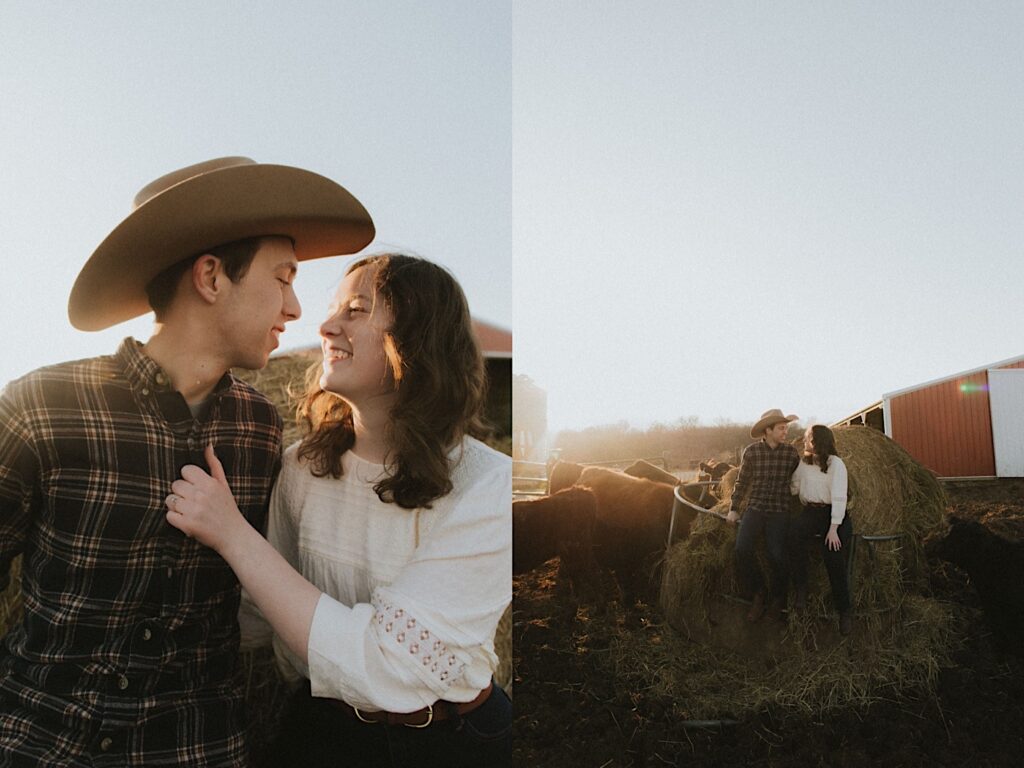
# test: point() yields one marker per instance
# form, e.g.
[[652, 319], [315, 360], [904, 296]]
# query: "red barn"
[[969, 424]]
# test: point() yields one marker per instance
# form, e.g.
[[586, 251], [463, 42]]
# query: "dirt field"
[[572, 711]]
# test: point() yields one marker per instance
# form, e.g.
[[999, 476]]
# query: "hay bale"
[[282, 381], [727, 484], [709, 682], [503, 647], [891, 493], [900, 635]]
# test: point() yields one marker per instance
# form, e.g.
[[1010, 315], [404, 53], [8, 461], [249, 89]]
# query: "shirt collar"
[[143, 372]]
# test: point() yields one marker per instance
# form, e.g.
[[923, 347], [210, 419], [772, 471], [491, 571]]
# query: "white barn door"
[[1006, 398]]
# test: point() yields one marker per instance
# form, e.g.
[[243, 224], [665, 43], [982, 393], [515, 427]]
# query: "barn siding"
[[949, 431]]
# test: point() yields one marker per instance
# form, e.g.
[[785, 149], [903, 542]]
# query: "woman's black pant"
[[813, 522], [317, 734]]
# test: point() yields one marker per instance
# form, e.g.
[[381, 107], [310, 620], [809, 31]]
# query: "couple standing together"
[[136, 487], [770, 472]]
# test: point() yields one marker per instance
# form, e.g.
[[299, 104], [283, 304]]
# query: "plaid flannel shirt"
[[766, 472], [127, 652]]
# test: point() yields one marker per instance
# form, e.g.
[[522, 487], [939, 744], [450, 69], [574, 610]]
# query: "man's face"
[[257, 307], [776, 433]]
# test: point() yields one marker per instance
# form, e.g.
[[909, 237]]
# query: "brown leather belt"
[[421, 718], [816, 505]]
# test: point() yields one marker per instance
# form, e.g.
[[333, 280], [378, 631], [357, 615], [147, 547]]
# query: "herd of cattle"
[[601, 519]]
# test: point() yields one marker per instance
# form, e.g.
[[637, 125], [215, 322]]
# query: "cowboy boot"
[[845, 622]]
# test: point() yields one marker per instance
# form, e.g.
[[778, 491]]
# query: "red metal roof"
[[494, 341], [1013, 362]]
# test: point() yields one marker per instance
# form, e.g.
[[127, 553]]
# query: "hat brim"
[[757, 431], [319, 215]]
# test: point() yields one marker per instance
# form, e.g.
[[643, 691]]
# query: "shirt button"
[[170, 572], [147, 634], [161, 379], [106, 744], [145, 392], [122, 682]]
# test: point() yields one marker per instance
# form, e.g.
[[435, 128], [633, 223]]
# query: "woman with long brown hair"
[[387, 563], [821, 482]]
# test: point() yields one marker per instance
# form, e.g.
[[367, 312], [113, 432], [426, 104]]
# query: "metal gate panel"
[[1006, 400]]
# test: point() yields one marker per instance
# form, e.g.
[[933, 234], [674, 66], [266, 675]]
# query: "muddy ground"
[[571, 711]]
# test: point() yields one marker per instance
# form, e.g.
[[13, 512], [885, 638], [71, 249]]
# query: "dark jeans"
[[316, 733], [815, 521], [775, 527]]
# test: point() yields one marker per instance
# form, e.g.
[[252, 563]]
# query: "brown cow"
[[695, 492], [648, 471], [633, 516], [715, 470], [564, 474], [560, 525]]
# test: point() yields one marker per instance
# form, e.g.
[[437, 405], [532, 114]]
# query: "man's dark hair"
[[235, 257]]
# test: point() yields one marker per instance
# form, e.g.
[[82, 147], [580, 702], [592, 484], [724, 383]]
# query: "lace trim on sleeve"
[[403, 635]]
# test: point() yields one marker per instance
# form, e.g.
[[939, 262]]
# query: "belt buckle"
[[360, 718], [430, 718]]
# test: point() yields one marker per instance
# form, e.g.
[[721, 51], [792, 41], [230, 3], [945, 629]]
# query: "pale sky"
[[726, 207], [408, 105], [708, 208]]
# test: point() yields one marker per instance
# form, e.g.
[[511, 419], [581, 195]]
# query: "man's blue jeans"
[[775, 527]]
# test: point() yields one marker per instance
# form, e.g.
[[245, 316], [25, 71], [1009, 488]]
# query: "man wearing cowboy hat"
[[126, 654], [765, 471]]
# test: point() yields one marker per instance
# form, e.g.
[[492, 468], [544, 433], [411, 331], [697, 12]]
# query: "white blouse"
[[817, 487], [411, 598]]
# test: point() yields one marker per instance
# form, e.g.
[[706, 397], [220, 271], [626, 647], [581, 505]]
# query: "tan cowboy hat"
[[768, 419], [191, 210]]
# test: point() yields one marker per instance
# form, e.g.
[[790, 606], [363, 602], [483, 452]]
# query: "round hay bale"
[[900, 635], [282, 381], [727, 484], [503, 647]]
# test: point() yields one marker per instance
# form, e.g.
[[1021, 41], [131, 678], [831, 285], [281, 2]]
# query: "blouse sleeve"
[[838, 485], [429, 634]]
